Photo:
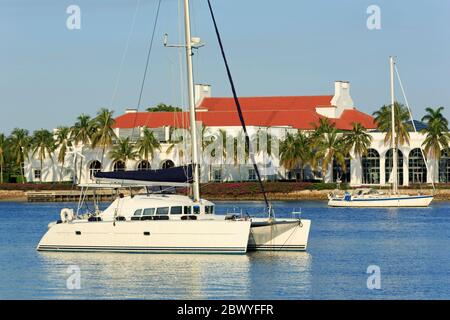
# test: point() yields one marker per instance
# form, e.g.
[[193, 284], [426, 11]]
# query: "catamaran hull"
[[280, 235], [207, 236], [407, 201]]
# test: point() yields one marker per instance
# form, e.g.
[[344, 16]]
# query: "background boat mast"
[[191, 99], [394, 144]]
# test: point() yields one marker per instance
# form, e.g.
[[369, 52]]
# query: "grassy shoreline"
[[319, 195]]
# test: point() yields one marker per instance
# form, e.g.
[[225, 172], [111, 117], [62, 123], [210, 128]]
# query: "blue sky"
[[49, 74]]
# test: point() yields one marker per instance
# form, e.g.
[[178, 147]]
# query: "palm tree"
[[43, 145], [330, 146], [147, 144], [63, 143], [295, 151], [104, 134], [180, 143], [20, 148], [436, 131], [324, 126], [357, 140], [3, 147], [402, 127], [81, 133], [240, 145], [124, 150]]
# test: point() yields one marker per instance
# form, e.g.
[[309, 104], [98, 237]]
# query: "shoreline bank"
[[318, 195]]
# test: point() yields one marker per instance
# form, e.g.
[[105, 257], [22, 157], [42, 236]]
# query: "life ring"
[[67, 215]]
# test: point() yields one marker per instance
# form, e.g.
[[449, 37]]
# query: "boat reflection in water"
[[170, 276]]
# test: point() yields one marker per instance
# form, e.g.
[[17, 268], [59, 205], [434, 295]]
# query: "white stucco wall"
[[268, 165]]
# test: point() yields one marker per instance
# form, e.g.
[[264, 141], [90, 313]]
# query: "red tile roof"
[[348, 117], [266, 103], [296, 112]]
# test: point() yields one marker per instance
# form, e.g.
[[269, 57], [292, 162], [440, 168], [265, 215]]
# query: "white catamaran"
[[373, 198], [160, 222]]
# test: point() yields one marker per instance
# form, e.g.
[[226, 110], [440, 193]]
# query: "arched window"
[[339, 173], [94, 167], [389, 162], [119, 166], [167, 164], [371, 167], [417, 167], [444, 166], [144, 165]]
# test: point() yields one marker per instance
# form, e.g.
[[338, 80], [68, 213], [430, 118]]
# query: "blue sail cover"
[[175, 175]]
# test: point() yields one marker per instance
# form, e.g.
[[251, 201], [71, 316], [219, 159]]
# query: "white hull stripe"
[[383, 199], [140, 249], [278, 247]]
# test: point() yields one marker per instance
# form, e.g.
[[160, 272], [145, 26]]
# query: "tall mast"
[[190, 82], [393, 140]]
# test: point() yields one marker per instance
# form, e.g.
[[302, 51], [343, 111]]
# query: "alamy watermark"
[[373, 21], [219, 146], [73, 21], [374, 280], [73, 282]]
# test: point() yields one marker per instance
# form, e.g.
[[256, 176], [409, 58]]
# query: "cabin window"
[[164, 210], [137, 213], [176, 210], [196, 209], [209, 209], [187, 210], [149, 212]]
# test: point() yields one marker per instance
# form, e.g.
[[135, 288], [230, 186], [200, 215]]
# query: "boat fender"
[[67, 215]]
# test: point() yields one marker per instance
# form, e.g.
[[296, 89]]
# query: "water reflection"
[[182, 276]]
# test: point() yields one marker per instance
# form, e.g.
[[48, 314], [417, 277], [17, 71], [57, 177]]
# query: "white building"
[[277, 115]]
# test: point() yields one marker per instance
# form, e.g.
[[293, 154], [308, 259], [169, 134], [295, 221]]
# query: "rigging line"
[[146, 65], [125, 51], [412, 121], [238, 107]]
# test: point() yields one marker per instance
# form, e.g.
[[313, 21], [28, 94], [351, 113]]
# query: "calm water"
[[411, 247]]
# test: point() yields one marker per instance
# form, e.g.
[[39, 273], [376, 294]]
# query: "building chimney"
[[131, 110], [342, 99], [201, 91]]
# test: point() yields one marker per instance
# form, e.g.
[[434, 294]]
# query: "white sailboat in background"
[[160, 222], [366, 197]]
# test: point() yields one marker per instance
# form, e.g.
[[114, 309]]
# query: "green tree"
[[147, 144], [20, 148], [357, 140], [104, 134], [178, 143], [295, 151], [383, 120], [124, 151], [330, 146], [3, 148], [43, 145], [161, 107], [436, 133], [81, 133], [63, 143], [324, 126]]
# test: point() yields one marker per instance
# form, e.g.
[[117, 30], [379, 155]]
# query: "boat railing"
[[296, 213], [234, 210]]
